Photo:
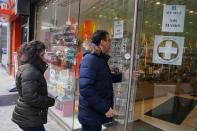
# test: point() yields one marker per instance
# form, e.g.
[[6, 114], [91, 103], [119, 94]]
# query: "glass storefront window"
[[165, 54], [166, 93], [57, 26], [115, 16]]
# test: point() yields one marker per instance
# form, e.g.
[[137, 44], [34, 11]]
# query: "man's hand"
[[136, 75], [110, 113]]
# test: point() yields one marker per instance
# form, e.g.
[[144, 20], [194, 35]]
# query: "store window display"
[[57, 26]]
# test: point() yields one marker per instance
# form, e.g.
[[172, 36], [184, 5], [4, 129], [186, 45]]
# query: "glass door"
[[117, 17], [166, 92]]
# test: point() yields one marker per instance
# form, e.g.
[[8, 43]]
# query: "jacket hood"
[[91, 48]]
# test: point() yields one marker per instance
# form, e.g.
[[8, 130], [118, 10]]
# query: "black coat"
[[32, 106]]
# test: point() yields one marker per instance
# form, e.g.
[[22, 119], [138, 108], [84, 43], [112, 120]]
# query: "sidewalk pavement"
[[7, 103]]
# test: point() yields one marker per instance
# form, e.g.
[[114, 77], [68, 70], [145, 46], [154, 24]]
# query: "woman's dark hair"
[[98, 36], [28, 50]]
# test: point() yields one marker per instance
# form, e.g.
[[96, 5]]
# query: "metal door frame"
[[132, 83]]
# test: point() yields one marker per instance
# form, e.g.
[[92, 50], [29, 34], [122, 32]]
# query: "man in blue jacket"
[[95, 81]]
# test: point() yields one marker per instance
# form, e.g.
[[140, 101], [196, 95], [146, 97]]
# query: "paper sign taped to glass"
[[173, 18], [52, 75], [168, 50], [119, 48]]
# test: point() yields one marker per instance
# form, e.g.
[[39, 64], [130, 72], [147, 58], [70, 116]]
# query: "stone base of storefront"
[[65, 124], [58, 120]]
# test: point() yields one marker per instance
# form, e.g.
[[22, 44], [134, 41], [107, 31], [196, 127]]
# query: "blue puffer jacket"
[[96, 89]]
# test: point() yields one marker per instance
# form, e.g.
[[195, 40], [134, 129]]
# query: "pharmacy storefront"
[[157, 38]]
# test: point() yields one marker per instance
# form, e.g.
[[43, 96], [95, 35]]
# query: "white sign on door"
[[168, 50], [118, 29], [52, 77], [173, 18]]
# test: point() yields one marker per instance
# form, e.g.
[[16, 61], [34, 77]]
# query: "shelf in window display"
[[62, 42], [67, 36], [62, 55]]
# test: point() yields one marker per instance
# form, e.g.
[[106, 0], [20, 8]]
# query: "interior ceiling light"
[[158, 3], [94, 7], [191, 11], [115, 18], [100, 16], [68, 22], [46, 8], [190, 22], [54, 2]]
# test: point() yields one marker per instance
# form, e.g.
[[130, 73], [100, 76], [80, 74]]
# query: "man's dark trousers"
[[91, 128]]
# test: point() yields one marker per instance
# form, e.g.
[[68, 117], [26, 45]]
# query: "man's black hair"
[[98, 36]]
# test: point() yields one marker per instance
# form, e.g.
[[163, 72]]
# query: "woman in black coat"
[[31, 110]]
